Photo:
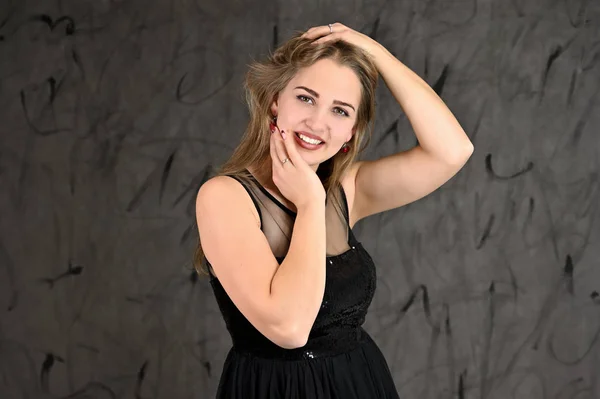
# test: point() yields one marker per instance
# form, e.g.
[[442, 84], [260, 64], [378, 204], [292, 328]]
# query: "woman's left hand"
[[322, 34]]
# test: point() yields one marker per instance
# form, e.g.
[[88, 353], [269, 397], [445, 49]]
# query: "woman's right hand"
[[295, 179]]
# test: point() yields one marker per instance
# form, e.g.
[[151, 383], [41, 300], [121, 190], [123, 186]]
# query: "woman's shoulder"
[[219, 184], [223, 192], [221, 187]]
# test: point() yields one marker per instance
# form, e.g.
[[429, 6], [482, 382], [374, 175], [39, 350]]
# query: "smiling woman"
[[310, 106], [291, 280]]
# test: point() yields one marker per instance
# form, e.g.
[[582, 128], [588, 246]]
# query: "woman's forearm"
[[299, 283]]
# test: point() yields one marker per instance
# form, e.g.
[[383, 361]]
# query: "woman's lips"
[[306, 145], [310, 135]]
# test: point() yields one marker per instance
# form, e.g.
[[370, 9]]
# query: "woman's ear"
[[352, 133], [274, 105]]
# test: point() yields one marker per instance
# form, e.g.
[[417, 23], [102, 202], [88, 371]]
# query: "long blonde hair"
[[266, 79]]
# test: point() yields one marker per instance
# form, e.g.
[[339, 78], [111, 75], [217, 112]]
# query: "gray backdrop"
[[114, 112]]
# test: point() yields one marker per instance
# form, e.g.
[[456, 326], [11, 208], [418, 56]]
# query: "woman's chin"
[[314, 162]]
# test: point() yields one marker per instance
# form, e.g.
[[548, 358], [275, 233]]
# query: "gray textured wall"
[[113, 111]]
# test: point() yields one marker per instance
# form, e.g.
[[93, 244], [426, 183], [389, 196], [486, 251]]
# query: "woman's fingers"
[[323, 30], [281, 149], [273, 149], [316, 31], [290, 146], [278, 152]]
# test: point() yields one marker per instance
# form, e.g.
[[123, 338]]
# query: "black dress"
[[340, 360]]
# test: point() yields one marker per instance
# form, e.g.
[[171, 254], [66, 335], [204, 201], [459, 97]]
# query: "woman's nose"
[[318, 120]]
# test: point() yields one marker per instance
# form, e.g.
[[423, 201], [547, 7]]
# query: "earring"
[[345, 148], [273, 124]]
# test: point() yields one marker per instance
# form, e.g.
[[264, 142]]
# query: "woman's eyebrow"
[[314, 93]]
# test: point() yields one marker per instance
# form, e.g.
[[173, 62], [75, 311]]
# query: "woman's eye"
[[309, 100], [304, 98], [341, 112]]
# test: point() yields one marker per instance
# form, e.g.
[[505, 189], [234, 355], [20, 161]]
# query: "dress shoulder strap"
[[346, 213], [250, 193]]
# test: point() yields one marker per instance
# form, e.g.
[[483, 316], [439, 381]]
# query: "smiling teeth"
[[309, 140]]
